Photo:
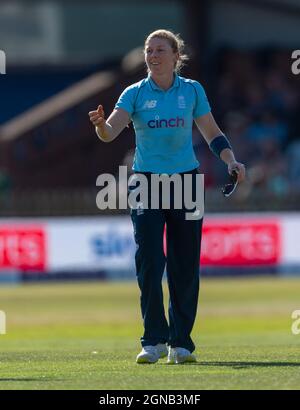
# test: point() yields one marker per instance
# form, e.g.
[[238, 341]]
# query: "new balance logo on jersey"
[[170, 123], [149, 104]]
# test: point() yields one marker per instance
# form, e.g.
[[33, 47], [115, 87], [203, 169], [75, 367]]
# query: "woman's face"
[[159, 56]]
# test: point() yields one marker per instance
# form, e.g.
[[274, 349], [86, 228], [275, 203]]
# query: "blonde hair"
[[175, 42]]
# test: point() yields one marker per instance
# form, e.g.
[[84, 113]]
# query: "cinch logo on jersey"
[[170, 123]]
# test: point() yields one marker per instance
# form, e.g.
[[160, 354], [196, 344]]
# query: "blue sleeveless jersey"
[[163, 123]]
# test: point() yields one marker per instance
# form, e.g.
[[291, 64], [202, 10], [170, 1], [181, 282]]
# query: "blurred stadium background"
[[66, 57]]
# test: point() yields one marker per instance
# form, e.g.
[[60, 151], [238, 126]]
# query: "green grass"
[[86, 336]]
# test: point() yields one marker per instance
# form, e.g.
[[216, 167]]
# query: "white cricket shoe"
[[179, 355], [151, 354]]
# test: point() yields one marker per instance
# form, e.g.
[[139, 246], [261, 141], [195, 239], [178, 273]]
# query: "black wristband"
[[218, 144]]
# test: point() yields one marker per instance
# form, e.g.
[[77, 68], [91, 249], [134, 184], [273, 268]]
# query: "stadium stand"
[[50, 154]]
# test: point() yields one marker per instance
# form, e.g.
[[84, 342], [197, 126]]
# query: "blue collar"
[[154, 86]]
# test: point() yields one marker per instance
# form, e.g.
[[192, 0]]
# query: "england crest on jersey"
[[181, 102]]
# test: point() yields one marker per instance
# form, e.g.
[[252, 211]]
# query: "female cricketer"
[[162, 108]]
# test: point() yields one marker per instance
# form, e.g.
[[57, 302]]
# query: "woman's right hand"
[[108, 130], [97, 117]]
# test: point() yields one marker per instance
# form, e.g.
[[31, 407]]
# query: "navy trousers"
[[182, 267]]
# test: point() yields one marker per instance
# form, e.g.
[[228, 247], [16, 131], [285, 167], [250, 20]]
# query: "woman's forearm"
[[105, 132], [227, 156]]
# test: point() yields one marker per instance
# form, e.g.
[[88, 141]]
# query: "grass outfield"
[[86, 336]]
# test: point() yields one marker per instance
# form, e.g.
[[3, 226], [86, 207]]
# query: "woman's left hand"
[[239, 168]]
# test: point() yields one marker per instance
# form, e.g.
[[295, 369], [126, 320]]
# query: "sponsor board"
[[241, 242], [107, 243], [23, 247]]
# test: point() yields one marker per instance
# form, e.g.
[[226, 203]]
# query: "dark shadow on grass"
[[242, 365], [28, 379]]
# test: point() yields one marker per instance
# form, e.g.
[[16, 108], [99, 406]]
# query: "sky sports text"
[[135, 193], [2, 323], [2, 62], [296, 63]]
